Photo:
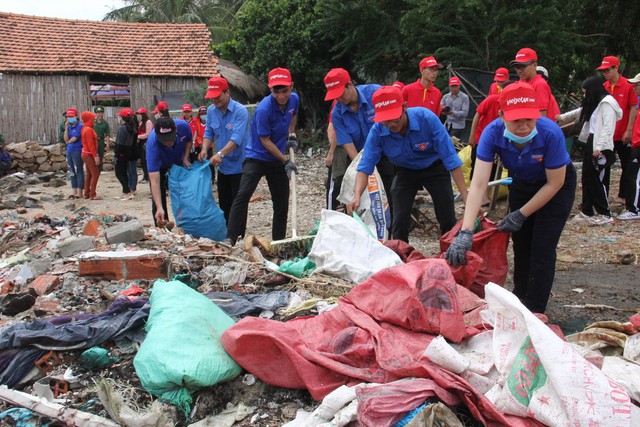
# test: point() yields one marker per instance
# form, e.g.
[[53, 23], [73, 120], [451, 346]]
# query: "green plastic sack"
[[182, 351], [97, 358], [300, 267]]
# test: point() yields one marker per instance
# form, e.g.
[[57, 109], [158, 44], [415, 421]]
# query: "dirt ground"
[[591, 284]]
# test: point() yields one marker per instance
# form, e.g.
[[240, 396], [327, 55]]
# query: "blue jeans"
[[76, 169], [132, 174]]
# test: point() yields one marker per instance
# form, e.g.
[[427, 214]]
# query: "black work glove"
[[457, 252], [289, 167], [292, 142], [512, 222]]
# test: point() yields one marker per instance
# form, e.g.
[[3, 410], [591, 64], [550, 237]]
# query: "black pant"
[[228, 187], [624, 153], [252, 171], [534, 245], [333, 186], [632, 199], [437, 180], [595, 194], [164, 185], [122, 164], [142, 148]]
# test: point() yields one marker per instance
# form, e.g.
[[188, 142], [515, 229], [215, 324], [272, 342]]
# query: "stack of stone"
[[30, 156]]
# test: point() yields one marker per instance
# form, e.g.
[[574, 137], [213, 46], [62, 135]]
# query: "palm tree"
[[218, 15]]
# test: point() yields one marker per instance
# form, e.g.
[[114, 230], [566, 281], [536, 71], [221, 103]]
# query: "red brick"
[[6, 287], [92, 228], [46, 307], [45, 284], [142, 267]]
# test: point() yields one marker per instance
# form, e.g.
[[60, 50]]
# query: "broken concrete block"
[[45, 284], [73, 245], [130, 265], [125, 232]]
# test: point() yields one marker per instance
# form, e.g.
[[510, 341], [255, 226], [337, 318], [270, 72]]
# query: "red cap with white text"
[[518, 101], [387, 102]]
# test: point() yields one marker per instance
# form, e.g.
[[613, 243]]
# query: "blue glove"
[[292, 142], [457, 252], [512, 222], [289, 167]]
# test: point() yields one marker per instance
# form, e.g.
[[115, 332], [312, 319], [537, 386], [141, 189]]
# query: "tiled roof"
[[51, 45]]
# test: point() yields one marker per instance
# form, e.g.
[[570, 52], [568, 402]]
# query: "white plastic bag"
[[377, 214], [544, 377], [343, 248]]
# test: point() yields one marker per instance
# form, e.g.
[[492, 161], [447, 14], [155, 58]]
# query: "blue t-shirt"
[[353, 127], [546, 151], [426, 141], [233, 125], [161, 157], [269, 120], [75, 131]]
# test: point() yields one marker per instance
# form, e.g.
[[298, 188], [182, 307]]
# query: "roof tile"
[[53, 45]]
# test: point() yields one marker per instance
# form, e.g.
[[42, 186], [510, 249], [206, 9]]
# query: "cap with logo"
[[186, 107], [398, 84], [335, 82], [162, 106], [502, 74], [71, 112], [608, 62], [518, 101], [387, 102], [141, 110], [454, 81], [429, 62], [280, 77], [525, 56], [165, 130], [541, 70], [98, 110], [216, 86]]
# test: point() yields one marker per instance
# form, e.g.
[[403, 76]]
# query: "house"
[[50, 64]]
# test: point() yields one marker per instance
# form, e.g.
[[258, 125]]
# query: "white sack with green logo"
[[543, 377]]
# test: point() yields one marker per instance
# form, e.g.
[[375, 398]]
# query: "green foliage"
[[196, 96]]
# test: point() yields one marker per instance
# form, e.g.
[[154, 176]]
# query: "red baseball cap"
[[429, 62], [335, 81], [518, 101], [126, 112], [525, 56], [398, 84], [608, 62], [154, 111], [162, 106], [141, 110], [280, 77], [186, 107], [72, 112], [454, 81], [216, 86], [387, 102], [502, 75]]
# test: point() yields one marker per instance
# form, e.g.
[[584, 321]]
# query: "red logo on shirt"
[[422, 146], [537, 157]]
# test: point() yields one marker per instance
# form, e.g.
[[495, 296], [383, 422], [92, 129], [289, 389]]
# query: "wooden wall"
[[31, 106], [143, 89]]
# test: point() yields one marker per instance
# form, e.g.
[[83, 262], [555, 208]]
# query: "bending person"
[[540, 198]]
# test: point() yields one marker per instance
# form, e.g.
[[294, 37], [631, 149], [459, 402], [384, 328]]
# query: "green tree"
[[218, 15]]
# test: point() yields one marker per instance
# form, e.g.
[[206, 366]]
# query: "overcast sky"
[[71, 9]]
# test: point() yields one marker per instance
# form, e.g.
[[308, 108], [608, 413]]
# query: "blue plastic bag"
[[192, 203]]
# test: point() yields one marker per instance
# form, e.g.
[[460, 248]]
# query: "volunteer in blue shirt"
[[272, 132], [352, 118], [167, 145], [533, 149], [416, 142], [73, 138], [227, 125]]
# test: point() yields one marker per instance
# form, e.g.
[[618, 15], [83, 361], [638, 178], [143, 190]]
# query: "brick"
[[125, 232], [46, 307], [45, 284], [6, 287], [92, 228], [130, 265], [73, 245]]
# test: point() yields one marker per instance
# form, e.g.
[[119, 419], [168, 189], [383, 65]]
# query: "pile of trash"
[[105, 322]]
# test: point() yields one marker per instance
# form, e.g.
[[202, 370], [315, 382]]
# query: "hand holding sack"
[[457, 252], [512, 222]]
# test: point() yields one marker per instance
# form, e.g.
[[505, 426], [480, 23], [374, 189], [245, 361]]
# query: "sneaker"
[[601, 219], [629, 215], [582, 217], [143, 181]]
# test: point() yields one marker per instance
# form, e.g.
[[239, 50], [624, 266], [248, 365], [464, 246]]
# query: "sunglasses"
[[521, 66], [607, 70]]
